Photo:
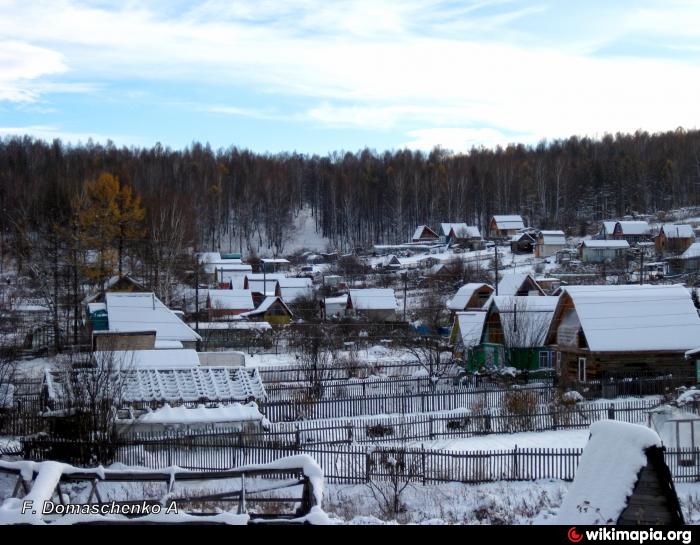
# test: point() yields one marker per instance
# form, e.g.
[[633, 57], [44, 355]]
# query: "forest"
[[237, 200]]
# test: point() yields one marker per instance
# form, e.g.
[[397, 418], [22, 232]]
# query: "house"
[[472, 296], [621, 479], [230, 270], [272, 310], [505, 226], [603, 251], [521, 325], [389, 262], [147, 359], [424, 233], [687, 262], [523, 243], [623, 329], [135, 313], [263, 285], [274, 265], [374, 304], [466, 339], [607, 228], [225, 303], [674, 239], [292, 289], [124, 283], [549, 243], [465, 235], [632, 231], [518, 284], [335, 306]]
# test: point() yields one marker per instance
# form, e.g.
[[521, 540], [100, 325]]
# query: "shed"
[[423, 233], [621, 479], [505, 226], [674, 239], [292, 289], [223, 303], [373, 303], [603, 251], [470, 296], [272, 310], [549, 243], [519, 284]]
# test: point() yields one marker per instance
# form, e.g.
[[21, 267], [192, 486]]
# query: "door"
[[582, 369]]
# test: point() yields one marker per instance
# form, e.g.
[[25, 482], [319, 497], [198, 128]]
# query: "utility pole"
[[264, 280], [515, 316], [405, 285], [641, 268], [495, 274], [196, 295]]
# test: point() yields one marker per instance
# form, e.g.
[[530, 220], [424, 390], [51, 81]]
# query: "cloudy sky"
[[316, 75]]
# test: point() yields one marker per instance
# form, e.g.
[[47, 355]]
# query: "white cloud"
[[461, 139], [21, 64]]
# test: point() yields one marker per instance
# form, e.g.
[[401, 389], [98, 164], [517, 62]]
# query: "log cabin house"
[[424, 233], [505, 226], [674, 239], [622, 329]]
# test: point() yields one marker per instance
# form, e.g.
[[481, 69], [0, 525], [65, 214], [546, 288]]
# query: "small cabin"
[[522, 243], [272, 310], [424, 233], [374, 304], [519, 284], [225, 303], [603, 251], [467, 236], [632, 231], [505, 226], [472, 296], [549, 243], [674, 239]]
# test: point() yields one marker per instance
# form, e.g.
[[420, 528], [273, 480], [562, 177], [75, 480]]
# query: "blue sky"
[[315, 76]]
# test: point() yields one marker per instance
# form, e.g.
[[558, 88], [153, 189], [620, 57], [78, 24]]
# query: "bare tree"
[[432, 353], [390, 472], [524, 323]]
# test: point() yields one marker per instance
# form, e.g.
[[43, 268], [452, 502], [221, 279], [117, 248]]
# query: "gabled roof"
[[265, 306], [525, 320], [235, 299], [129, 312], [294, 288], [678, 231], [373, 299], [553, 237], [459, 230], [692, 252], [511, 284], [509, 222], [421, 229], [634, 318], [259, 283], [464, 294], [610, 244], [149, 359], [634, 227], [471, 327]]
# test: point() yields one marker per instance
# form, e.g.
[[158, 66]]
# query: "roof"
[[265, 306], [294, 288], [419, 232], [510, 284], [237, 324], [678, 231], [463, 295], [129, 312], [509, 222], [373, 299], [607, 473], [461, 230], [609, 226], [263, 283], [692, 252], [236, 299], [186, 415], [636, 318], [609, 244], [179, 384], [634, 227], [553, 237], [471, 327], [150, 359], [275, 260], [525, 320]]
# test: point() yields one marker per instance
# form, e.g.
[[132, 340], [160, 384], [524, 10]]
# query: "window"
[[545, 359], [582, 369]]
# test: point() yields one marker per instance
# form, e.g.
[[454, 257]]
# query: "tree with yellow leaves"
[[110, 218]]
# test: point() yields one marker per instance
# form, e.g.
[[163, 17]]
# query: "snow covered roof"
[[678, 231], [471, 327], [235, 299], [525, 320], [165, 345], [419, 232], [692, 252], [636, 318], [237, 324], [461, 230], [509, 222], [553, 237], [275, 260], [373, 299], [634, 227], [294, 288], [607, 473], [609, 226], [463, 295], [609, 244], [510, 284], [234, 412], [129, 312], [149, 359], [265, 306], [179, 384]]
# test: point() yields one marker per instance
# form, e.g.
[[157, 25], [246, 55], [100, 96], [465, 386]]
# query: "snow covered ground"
[[545, 439]]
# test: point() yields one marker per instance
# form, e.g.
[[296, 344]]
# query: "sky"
[[317, 76]]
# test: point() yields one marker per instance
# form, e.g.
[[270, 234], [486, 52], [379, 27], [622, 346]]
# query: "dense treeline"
[[238, 200]]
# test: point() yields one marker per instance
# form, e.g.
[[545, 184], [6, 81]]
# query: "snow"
[[692, 252], [233, 324], [608, 244], [373, 299], [233, 299], [677, 428], [678, 231], [461, 230], [545, 439], [265, 306], [164, 345], [607, 472], [130, 312], [553, 237], [471, 327], [509, 222], [144, 359], [636, 318], [463, 295], [635, 227], [235, 412], [511, 283], [294, 288], [49, 474], [533, 313]]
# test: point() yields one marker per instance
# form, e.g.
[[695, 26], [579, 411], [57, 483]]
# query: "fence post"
[[422, 456], [368, 464], [515, 463], [350, 435], [297, 437], [611, 412], [430, 426]]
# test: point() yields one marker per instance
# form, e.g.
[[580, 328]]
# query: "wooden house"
[[523, 243], [549, 243], [467, 236], [466, 339], [688, 262], [275, 265], [603, 251], [622, 479], [272, 310], [632, 231], [472, 296], [505, 226], [623, 329], [390, 262], [374, 304], [518, 284], [607, 229], [263, 285], [674, 239], [226, 303], [424, 233]]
